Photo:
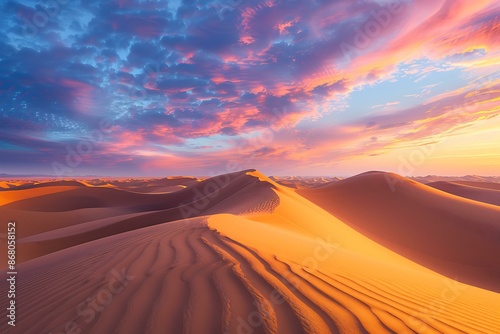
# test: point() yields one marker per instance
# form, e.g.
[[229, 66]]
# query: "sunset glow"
[[134, 87]]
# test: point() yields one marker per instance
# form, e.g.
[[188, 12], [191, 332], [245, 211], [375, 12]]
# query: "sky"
[[288, 87]]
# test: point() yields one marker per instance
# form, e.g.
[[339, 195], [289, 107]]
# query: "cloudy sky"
[[203, 87]]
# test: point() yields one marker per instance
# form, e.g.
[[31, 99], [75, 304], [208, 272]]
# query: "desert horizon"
[[34, 177]]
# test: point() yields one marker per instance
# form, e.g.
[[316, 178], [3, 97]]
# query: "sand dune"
[[10, 196], [466, 178], [97, 197], [301, 182], [478, 191], [32, 185], [450, 234], [253, 257], [187, 277], [136, 185], [165, 185], [84, 214]]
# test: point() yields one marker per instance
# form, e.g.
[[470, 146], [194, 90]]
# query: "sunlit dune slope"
[[11, 196], [478, 191], [282, 266], [449, 234]]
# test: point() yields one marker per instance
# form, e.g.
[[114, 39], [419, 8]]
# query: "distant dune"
[[240, 253], [300, 182], [305, 182], [486, 192], [466, 178]]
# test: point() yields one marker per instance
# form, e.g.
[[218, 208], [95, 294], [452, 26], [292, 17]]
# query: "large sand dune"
[[246, 256], [79, 214], [450, 234]]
